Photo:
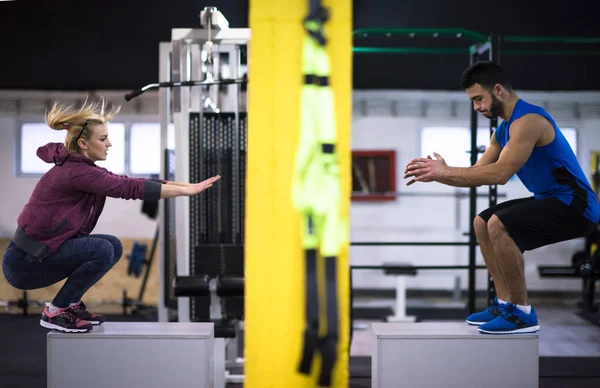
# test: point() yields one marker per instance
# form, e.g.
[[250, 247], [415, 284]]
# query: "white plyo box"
[[133, 355], [451, 355]]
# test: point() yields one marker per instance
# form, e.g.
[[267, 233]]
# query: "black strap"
[[313, 79], [311, 330], [320, 14], [328, 344], [328, 148]]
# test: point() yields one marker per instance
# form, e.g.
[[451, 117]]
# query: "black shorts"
[[534, 223]]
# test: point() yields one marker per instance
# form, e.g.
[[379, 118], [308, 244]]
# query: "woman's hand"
[[177, 189], [197, 188]]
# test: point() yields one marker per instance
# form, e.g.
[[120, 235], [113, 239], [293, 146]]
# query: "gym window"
[[34, 135], [144, 147], [374, 175], [571, 136], [135, 148], [452, 143]]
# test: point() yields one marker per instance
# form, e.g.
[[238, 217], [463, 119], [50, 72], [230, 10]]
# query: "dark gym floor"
[[569, 352]]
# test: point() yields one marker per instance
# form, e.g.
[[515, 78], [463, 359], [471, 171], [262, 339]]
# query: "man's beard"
[[495, 110]]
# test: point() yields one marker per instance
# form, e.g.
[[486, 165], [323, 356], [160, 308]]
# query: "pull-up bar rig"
[[478, 42], [479, 47]]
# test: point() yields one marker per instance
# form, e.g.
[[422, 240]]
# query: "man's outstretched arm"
[[491, 154], [489, 157], [524, 134]]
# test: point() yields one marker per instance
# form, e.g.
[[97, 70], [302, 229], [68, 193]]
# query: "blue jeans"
[[82, 260]]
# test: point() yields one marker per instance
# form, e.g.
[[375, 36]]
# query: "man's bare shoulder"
[[533, 125]]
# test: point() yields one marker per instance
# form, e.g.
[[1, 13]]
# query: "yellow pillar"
[[274, 260]]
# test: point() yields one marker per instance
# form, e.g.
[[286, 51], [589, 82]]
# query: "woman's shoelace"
[[70, 315]]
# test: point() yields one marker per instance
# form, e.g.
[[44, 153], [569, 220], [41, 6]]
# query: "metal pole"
[[351, 311], [164, 114], [405, 268], [181, 118], [235, 63], [494, 55], [150, 260], [472, 206], [410, 243], [25, 304]]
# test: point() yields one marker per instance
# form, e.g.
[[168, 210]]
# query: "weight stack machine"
[[202, 96]]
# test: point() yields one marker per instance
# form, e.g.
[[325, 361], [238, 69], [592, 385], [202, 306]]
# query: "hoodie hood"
[[57, 153], [53, 152]]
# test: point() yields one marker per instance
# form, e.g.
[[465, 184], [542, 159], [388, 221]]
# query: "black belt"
[[30, 245]]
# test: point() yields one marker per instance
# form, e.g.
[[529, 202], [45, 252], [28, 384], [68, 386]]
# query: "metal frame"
[[493, 50], [480, 42], [476, 53], [480, 45], [181, 61], [164, 101]]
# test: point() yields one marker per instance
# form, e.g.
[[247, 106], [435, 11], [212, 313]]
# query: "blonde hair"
[[73, 120]]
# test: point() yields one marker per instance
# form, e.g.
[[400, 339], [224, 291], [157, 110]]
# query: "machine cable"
[[223, 81]]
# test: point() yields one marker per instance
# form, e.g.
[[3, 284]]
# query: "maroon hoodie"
[[69, 199]]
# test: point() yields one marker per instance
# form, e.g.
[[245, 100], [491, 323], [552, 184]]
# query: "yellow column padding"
[[274, 259]]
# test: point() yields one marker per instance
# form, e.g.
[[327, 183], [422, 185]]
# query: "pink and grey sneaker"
[[64, 320], [79, 310]]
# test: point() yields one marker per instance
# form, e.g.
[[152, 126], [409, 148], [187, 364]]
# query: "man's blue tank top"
[[553, 170]]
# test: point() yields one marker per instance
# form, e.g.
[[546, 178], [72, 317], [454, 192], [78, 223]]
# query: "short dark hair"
[[486, 74]]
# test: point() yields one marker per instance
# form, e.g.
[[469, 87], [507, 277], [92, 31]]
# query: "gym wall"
[[375, 126]]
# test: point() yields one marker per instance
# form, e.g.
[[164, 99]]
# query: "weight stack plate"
[[217, 147], [198, 146]]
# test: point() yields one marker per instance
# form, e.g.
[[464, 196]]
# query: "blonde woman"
[[53, 239]]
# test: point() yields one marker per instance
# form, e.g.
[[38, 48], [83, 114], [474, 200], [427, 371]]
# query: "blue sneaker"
[[486, 315], [511, 321]]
